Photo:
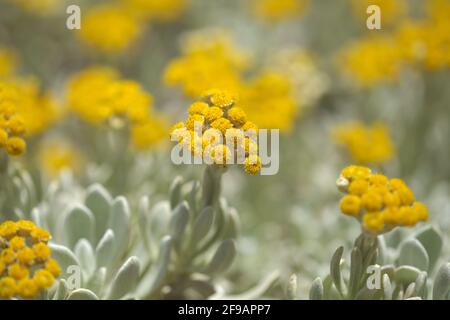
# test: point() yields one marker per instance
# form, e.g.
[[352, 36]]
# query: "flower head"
[[222, 126], [279, 10], [26, 266], [365, 144], [379, 203]]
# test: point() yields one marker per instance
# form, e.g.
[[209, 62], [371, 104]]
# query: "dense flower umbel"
[[23, 111], [365, 144], [218, 116], [26, 266], [379, 203]]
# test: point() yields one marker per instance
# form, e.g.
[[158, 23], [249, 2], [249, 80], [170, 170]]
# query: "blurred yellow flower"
[[56, 156], [279, 10], [379, 203], [8, 62], [392, 11], [269, 101], [23, 111], [99, 96], [371, 61], [365, 144], [163, 10], [25, 264], [149, 133], [209, 58], [230, 125], [110, 28]]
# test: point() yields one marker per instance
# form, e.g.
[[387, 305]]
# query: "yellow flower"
[[8, 62], [8, 287], [109, 28], [371, 61], [269, 101], [350, 205], [56, 156], [53, 267], [32, 266], [237, 116], [100, 97], [27, 288], [365, 144], [222, 124], [378, 203], [213, 113], [222, 128], [43, 279], [18, 271], [253, 164], [24, 110], [279, 10], [149, 133], [208, 58]]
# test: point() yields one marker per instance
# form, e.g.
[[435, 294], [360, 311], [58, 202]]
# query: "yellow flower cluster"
[[424, 42], [56, 156], [110, 28], [162, 10], [391, 11], [26, 266], [8, 62], [365, 144], [23, 110], [99, 96], [371, 61], [269, 101], [208, 57], [379, 203], [219, 118], [279, 10]]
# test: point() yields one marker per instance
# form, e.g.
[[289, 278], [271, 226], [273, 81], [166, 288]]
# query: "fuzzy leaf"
[[153, 279], [65, 258], [78, 223], [179, 221], [387, 287], [85, 253], [223, 258], [175, 191], [61, 290], [99, 201], [126, 279], [119, 222], [82, 294], [432, 242], [406, 274], [441, 288], [335, 268], [105, 249], [412, 253], [202, 224], [316, 291]]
